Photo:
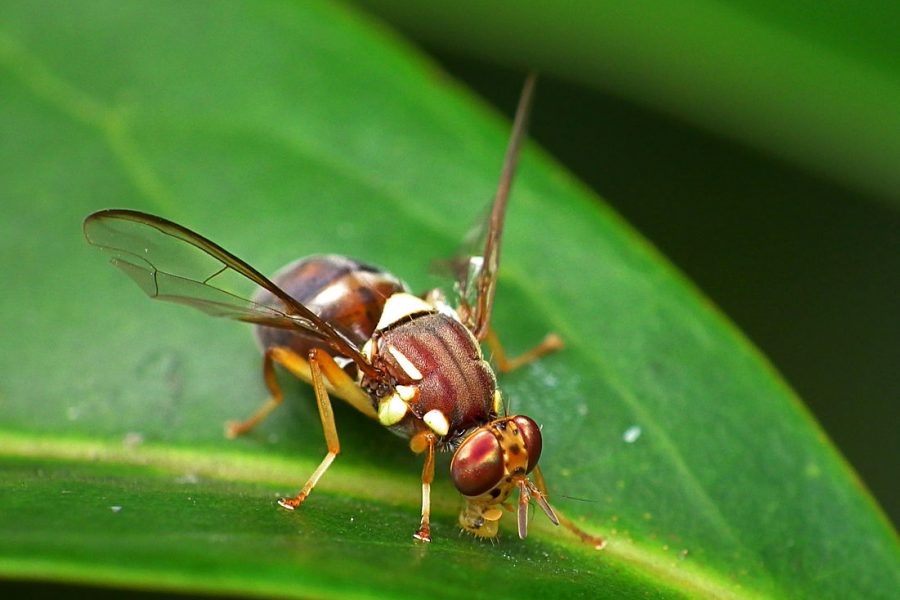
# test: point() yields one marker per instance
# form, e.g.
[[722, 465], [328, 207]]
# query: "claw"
[[291, 503], [423, 534]]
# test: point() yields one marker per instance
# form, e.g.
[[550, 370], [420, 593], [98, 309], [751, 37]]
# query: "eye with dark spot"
[[477, 465], [531, 433]]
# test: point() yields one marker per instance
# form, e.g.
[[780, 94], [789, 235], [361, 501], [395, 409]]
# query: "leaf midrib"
[[384, 486]]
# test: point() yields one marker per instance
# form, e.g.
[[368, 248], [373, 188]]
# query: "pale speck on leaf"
[[812, 470], [133, 439], [631, 434]]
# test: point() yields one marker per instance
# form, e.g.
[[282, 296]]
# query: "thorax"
[[440, 378]]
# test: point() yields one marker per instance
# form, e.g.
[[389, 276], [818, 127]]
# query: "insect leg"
[[541, 485], [343, 386], [337, 381], [505, 364], [425, 442], [316, 357], [272, 355]]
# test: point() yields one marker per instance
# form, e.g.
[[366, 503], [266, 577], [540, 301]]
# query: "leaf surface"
[[283, 129]]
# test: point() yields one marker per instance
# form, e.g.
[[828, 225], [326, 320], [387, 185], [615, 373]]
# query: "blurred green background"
[[781, 204]]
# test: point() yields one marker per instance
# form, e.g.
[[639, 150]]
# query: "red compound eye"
[[477, 465], [531, 434]]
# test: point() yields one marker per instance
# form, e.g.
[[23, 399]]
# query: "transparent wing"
[[475, 267], [172, 263], [465, 268]]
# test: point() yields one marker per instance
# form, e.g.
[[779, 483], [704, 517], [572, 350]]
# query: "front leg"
[[597, 542], [425, 442]]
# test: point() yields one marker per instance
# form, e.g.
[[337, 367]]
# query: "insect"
[[354, 331]]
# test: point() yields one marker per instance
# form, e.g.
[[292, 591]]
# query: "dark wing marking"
[[172, 263], [475, 268]]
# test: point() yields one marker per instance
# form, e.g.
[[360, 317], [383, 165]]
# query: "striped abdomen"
[[349, 295]]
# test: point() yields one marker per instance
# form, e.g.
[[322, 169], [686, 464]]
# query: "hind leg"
[[551, 343], [271, 356]]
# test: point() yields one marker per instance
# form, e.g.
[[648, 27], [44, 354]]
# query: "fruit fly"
[[354, 331]]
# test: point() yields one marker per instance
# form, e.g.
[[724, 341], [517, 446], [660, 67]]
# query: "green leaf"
[[281, 129]]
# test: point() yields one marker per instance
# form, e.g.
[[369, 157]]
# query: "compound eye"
[[477, 465], [531, 434]]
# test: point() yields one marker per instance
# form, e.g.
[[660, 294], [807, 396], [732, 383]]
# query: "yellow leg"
[[425, 442], [336, 379], [318, 357], [236, 428], [551, 343], [541, 485], [337, 382]]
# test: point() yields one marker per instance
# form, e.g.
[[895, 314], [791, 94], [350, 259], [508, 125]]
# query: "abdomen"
[[350, 295]]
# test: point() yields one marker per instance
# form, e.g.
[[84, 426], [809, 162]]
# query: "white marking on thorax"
[[407, 392], [401, 305], [405, 364], [391, 410], [436, 420]]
